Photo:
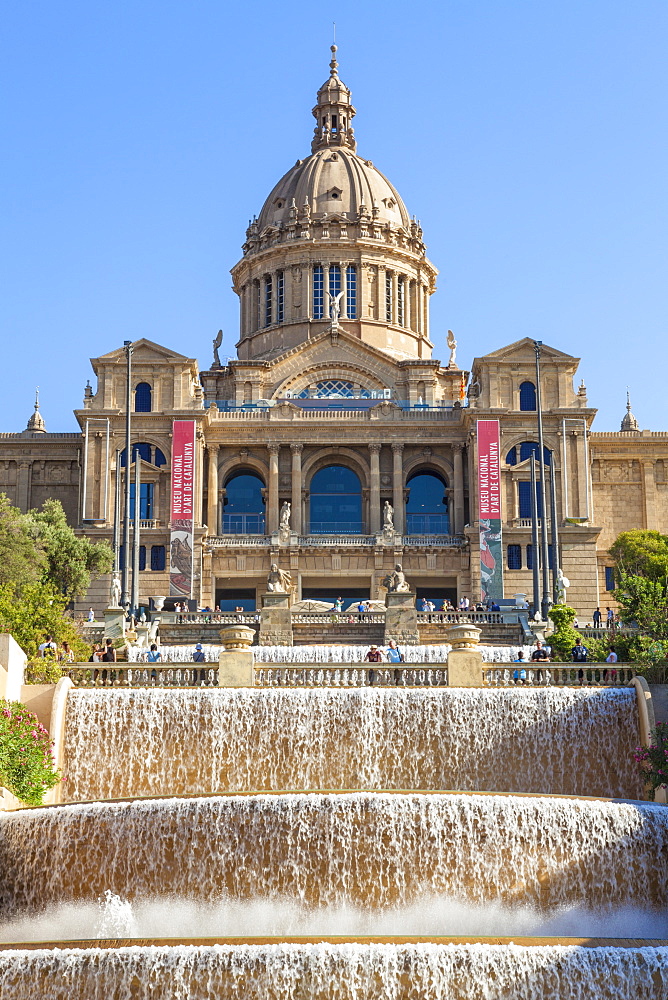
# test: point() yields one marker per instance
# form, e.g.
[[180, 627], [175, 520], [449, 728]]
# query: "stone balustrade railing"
[[499, 675], [464, 617], [209, 617], [333, 617], [345, 541]]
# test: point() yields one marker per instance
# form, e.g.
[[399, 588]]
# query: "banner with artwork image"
[[182, 539], [489, 510]]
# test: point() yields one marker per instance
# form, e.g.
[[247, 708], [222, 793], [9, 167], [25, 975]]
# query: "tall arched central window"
[[243, 510], [336, 502], [143, 398], [427, 506]]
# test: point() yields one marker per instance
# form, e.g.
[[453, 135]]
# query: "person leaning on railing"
[[540, 654]]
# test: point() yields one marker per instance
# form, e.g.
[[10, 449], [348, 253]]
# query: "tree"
[[563, 638], [70, 561], [644, 601], [22, 559], [641, 553], [38, 610]]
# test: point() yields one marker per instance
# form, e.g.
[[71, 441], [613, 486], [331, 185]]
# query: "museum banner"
[[182, 539], [489, 510]]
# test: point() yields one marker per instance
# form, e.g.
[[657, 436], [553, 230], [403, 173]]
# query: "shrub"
[[26, 755], [43, 670], [563, 638], [653, 759]]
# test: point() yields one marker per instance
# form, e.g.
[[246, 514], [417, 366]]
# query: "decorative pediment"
[[144, 352], [522, 352]]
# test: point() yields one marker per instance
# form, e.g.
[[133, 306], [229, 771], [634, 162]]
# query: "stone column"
[[23, 483], [212, 502], [398, 487], [344, 289], [649, 496], [395, 298], [296, 507], [374, 482], [272, 504], [457, 522], [408, 319]]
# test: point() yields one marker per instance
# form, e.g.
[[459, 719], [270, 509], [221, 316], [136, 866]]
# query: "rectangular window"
[[145, 501], [524, 498], [351, 292], [400, 301], [529, 556], [157, 557], [268, 295], [388, 297], [514, 557], [334, 279], [280, 296], [142, 557], [318, 297], [609, 578], [550, 558]]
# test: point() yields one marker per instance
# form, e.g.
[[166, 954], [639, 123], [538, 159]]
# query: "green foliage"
[[22, 559], [644, 602], [34, 612], [43, 670], [563, 638], [70, 560], [26, 759], [641, 553], [653, 759]]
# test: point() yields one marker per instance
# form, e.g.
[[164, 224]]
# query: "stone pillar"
[[649, 496], [398, 488], [425, 295], [374, 495], [344, 289], [457, 523], [296, 506], [395, 298], [212, 502], [23, 478], [272, 499], [275, 620], [408, 320], [401, 619]]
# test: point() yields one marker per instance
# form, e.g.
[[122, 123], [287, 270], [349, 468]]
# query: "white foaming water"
[[344, 653], [157, 741], [430, 916], [363, 849], [338, 972]]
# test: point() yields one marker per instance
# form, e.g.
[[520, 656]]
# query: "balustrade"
[[557, 675], [351, 675]]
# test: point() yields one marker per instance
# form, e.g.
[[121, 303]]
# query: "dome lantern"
[[333, 112]]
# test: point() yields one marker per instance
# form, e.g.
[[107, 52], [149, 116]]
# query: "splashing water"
[[362, 849], [116, 918], [338, 972], [174, 742], [343, 653]]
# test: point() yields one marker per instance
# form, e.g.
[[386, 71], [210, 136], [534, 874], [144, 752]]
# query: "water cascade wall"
[[338, 972], [122, 743], [372, 850], [330, 653]]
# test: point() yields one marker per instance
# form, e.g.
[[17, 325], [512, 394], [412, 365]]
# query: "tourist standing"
[[596, 618], [48, 648], [66, 654], [579, 654], [198, 657], [520, 674], [373, 655], [109, 654], [609, 617], [91, 615]]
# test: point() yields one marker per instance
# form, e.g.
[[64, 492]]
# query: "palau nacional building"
[[334, 445]]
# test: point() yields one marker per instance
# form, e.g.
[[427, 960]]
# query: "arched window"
[[427, 506], [147, 452], [527, 396], [526, 450], [143, 398], [243, 507], [336, 502]]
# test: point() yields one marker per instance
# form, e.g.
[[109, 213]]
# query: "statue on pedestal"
[[279, 581], [395, 582], [115, 591], [284, 523], [388, 516], [452, 344], [216, 345], [563, 583]]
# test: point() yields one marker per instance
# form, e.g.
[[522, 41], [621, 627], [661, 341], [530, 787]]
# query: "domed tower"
[[334, 243]]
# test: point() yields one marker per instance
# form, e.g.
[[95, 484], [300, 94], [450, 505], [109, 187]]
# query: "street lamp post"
[[546, 601], [125, 573]]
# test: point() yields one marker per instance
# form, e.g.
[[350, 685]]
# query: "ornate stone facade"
[[334, 368]]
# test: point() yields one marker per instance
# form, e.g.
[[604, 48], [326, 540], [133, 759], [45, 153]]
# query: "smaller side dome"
[[36, 423], [629, 423]]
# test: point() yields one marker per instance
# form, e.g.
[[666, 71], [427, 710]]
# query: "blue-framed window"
[[268, 300], [280, 296], [401, 298], [147, 452], [550, 557], [334, 279], [158, 557], [318, 292], [388, 296], [143, 398], [145, 501], [524, 498], [427, 505], [243, 510], [609, 578], [527, 396], [514, 557], [526, 449], [351, 291], [335, 502]]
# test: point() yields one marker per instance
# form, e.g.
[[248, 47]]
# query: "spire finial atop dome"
[[36, 423], [333, 112], [629, 423]]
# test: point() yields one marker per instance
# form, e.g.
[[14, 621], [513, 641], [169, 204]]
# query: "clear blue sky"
[[529, 136]]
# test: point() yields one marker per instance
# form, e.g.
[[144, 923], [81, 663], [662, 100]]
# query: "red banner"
[[182, 509]]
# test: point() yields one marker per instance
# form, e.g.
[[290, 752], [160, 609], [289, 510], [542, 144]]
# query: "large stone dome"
[[334, 181]]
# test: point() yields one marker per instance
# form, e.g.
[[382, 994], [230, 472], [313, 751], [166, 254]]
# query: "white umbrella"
[[377, 606], [311, 606]]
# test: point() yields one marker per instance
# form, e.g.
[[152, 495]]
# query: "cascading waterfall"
[[338, 972], [343, 653], [365, 849], [123, 743]]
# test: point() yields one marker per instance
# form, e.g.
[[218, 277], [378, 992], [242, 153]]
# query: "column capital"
[[273, 448], [213, 448], [397, 447], [457, 447], [296, 449], [374, 447]]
